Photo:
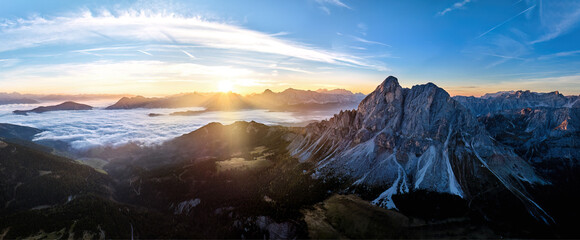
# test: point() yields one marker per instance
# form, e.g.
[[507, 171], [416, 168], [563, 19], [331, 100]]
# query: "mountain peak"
[[390, 81], [389, 85]]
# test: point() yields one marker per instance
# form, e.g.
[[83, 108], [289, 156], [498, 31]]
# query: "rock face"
[[60, 107], [539, 135], [401, 140], [541, 127], [496, 102]]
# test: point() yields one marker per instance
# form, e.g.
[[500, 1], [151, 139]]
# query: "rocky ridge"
[[510, 100]]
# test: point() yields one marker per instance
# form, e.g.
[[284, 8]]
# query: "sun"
[[225, 86]]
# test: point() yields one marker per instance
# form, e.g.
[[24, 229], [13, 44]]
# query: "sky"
[[154, 48]]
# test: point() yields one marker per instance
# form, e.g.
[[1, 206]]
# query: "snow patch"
[[400, 184], [454, 186], [427, 157]]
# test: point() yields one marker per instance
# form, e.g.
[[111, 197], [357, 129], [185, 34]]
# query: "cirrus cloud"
[[132, 26]]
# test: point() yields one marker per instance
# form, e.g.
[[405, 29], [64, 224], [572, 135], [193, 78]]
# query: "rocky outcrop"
[[403, 140]]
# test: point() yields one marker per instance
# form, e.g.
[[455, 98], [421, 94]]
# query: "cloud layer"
[[86, 129]]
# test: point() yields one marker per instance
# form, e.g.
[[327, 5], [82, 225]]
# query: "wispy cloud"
[[143, 26], [279, 34], [104, 49], [503, 56], [324, 4], [502, 59], [519, 1], [559, 54], [325, 9], [455, 6], [357, 47], [359, 39], [337, 3], [559, 21], [506, 21], [362, 28], [275, 66], [9, 62], [500, 49]]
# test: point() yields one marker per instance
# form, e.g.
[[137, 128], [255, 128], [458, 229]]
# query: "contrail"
[[188, 54], [141, 51], [504, 22]]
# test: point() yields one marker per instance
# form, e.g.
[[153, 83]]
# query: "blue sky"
[[468, 47]]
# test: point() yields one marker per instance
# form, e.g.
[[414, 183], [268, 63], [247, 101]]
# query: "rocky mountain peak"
[[389, 83], [402, 139], [423, 110]]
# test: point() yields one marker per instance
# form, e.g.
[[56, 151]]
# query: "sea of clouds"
[[100, 127]]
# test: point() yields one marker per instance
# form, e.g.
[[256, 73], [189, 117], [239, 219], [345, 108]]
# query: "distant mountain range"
[[175, 101], [510, 100], [281, 101], [18, 98], [288, 100], [5, 101]]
